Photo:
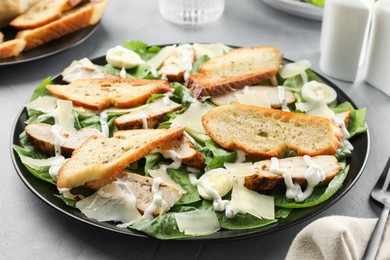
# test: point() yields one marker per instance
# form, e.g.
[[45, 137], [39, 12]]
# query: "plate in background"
[[47, 49], [297, 8]]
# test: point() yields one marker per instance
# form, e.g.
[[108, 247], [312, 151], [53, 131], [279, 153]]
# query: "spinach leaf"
[[41, 89], [180, 176], [142, 49], [199, 61], [216, 156]]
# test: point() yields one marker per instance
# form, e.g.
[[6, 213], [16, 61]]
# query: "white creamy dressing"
[[314, 174], [68, 195], [282, 98], [161, 171], [211, 190], [241, 156], [123, 73], [104, 124], [58, 139], [157, 202], [143, 117], [187, 97], [166, 98], [56, 165], [188, 57], [345, 131]]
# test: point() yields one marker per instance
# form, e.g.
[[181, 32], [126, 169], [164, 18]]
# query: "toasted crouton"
[[98, 94], [238, 68], [42, 138], [268, 132], [100, 159], [75, 19], [42, 13], [264, 179], [11, 48]]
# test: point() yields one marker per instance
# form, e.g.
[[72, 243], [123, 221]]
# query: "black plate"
[[45, 190], [47, 49]]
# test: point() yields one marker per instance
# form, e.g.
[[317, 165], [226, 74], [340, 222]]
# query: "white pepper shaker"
[[378, 54], [344, 26]]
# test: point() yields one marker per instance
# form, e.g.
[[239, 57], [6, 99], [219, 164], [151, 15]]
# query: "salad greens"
[[319, 3], [164, 226]]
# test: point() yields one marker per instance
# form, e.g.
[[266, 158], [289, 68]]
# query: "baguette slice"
[[147, 117], [271, 92], [42, 13], [263, 179], [268, 132], [100, 159], [11, 48], [238, 68], [42, 138], [76, 19], [98, 94], [1, 37], [142, 188]]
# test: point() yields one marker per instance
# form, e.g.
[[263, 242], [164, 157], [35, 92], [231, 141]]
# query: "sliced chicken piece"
[[178, 64], [264, 179], [345, 116], [142, 188], [250, 93], [41, 136], [147, 117], [186, 152]]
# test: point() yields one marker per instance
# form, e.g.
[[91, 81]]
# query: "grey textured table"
[[32, 230]]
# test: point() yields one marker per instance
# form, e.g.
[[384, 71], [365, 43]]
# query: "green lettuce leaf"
[[319, 3], [199, 61], [216, 156], [142, 49]]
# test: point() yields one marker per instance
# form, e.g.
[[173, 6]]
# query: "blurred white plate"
[[297, 8]]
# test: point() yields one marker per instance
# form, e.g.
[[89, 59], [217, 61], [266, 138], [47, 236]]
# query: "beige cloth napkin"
[[336, 237]]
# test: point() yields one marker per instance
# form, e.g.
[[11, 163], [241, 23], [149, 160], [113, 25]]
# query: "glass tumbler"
[[191, 12]]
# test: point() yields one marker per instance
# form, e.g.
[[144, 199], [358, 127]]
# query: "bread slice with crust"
[[264, 179], [42, 13], [75, 19], [238, 68], [41, 136], [148, 116], [100, 159], [1, 37], [11, 48], [98, 94], [268, 132]]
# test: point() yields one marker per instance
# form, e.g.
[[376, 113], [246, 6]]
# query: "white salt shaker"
[[378, 54], [344, 26]]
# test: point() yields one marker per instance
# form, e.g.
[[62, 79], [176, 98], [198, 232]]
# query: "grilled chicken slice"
[[41, 136], [186, 152], [264, 179], [147, 117]]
